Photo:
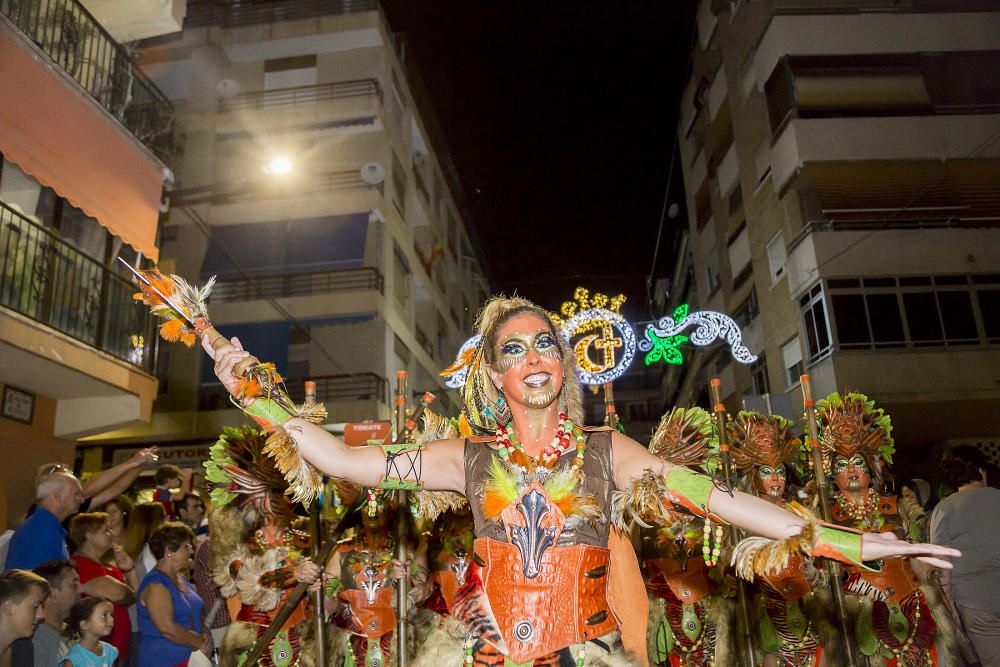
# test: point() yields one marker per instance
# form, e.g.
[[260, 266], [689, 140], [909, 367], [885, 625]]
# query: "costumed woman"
[[363, 575], [895, 622], [255, 554], [792, 613], [541, 490], [691, 621]]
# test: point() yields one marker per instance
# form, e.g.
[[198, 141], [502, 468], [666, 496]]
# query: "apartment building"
[[316, 187], [840, 161], [85, 140]]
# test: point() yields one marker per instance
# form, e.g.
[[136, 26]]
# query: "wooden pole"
[[823, 491], [316, 528], [609, 405], [735, 534], [401, 590]]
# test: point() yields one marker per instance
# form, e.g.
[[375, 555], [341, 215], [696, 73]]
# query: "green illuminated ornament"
[[667, 349]]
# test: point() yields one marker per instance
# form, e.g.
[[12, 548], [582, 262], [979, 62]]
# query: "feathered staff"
[[182, 308]]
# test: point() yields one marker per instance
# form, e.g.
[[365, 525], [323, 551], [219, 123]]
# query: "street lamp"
[[278, 166]]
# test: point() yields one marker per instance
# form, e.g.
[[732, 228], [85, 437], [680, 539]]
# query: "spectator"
[[169, 608], [114, 581], [969, 520], [41, 537], [100, 488], [168, 478], [22, 595], [90, 620], [47, 646], [118, 510], [145, 519], [191, 512], [217, 617]]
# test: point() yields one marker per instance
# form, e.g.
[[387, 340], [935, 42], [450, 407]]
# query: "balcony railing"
[[324, 92], [329, 388], [797, 7], [78, 44], [223, 14], [45, 278], [882, 224], [298, 284]]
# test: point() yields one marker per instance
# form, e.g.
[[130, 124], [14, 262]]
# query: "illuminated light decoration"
[[457, 381], [582, 300], [709, 327], [605, 367], [666, 349]]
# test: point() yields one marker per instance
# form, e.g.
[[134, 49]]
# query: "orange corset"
[[370, 619], [688, 586], [790, 582], [565, 603], [894, 583]]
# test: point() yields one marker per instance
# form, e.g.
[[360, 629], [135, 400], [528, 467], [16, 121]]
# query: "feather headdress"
[[238, 473], [851, 424], [685, 437], [759, 439]]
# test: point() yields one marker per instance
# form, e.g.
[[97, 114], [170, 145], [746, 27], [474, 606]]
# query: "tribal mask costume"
[[788, 614], [894, 620], [253, 548], [691, 623]]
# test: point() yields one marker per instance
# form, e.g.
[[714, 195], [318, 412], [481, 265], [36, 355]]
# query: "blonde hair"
[[145, 519], [481, 395]]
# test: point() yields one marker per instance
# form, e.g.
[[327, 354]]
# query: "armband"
[[841, 544], [653, 497], [332, 587], [404, 466], [266, 412]]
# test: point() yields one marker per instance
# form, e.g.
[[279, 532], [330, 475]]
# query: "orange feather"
[[172, 330], [463, 360], [494, 504]]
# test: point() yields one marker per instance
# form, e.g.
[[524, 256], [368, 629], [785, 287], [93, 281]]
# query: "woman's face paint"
[[528, 362], [851, 474], [772, 480]]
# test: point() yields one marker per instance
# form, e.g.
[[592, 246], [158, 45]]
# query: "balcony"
[[77, 43], [326, 92], [201, 13], [48, 280], [298, 284], [329, 389]]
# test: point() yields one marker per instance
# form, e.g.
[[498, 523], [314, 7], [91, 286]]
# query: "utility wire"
[[203, 227]]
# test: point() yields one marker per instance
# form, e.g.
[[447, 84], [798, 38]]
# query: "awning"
[[57, 135]]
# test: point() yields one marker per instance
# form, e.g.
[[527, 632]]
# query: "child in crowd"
[[90, 619], [168, 478]]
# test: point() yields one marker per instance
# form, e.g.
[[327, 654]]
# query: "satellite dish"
[[227, 88], [673, 211], [372, 173]]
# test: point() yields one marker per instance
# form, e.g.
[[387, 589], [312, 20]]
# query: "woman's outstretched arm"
[[757, 516], [440, 466]]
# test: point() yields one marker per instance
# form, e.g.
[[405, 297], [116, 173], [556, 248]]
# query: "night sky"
[[560, 118]]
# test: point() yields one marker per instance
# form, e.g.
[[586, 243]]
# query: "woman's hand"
[[122, 559], [307, 572], [226, 358], [398, 570], [207, 644], [880, 546]]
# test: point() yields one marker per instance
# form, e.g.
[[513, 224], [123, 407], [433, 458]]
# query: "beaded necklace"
[[864, 513], [508, 444]]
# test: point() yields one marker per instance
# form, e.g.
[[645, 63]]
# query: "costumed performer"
[[691, 620], [793, 612], [895, 622], [256, 556], [542, 490]]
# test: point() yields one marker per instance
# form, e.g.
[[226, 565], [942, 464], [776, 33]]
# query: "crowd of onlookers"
[[93, 578]]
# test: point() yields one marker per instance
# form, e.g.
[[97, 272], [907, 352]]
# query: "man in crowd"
[[22, 595], [41, 537], [47, 646], [191, 511]]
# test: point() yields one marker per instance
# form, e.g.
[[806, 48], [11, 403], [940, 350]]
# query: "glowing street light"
[[278, 166]]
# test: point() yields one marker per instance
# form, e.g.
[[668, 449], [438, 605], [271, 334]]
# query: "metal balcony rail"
[[78, 44], [47, 279], [298, 284], [329, 388], [232, 14], [323, 92], [875, 224], [331, 181], [797, 7]]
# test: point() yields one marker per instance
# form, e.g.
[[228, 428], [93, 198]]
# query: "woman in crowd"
[[145, 519], [169, 608], [105, 571], [118, 510]]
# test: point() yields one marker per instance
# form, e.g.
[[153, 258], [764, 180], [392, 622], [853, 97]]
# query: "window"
[[776, 256], [989, 306], [399, 184], [815, 324], [748, 310], [400, 277], [713, 281], [702, 206], [791, 354], [759, 381], [921, 311], [739, 256], [290, 72], [762, 160]]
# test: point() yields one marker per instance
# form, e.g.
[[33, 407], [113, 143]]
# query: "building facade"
[[840, 162], [85, 140], [356, 263]]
